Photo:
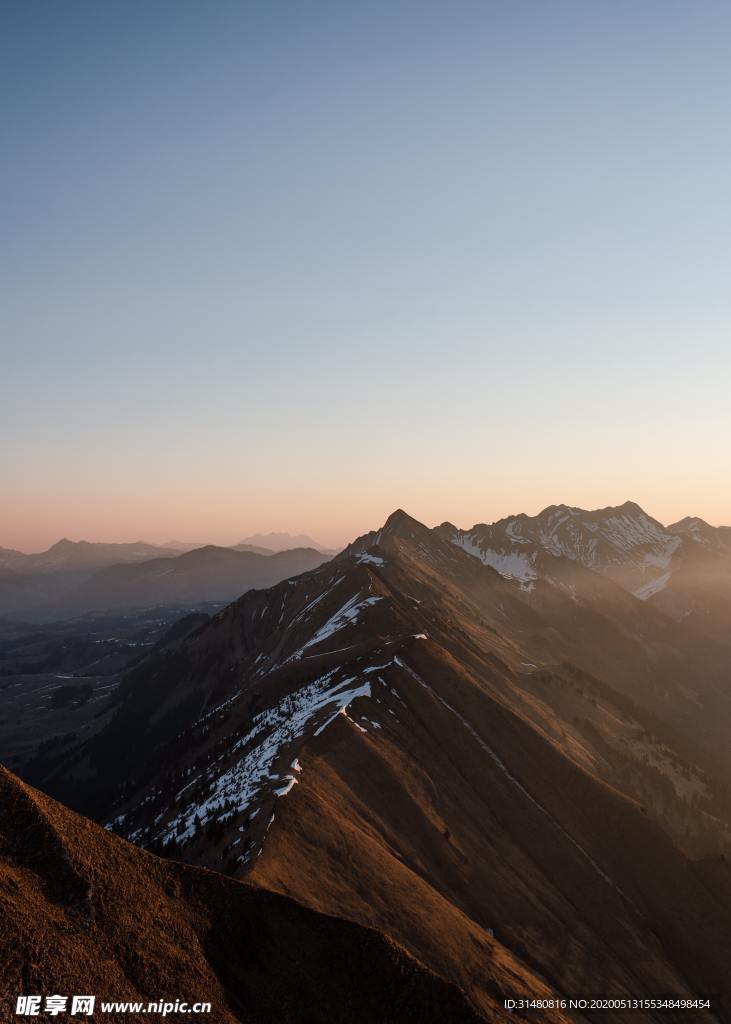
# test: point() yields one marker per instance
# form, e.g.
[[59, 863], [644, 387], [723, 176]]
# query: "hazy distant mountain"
[[260, 551], [72, 555], [10, 559], [182, 546], [714, 537], [39, 585], [205, 574], [512, 778], [73, 578], [283, 542]]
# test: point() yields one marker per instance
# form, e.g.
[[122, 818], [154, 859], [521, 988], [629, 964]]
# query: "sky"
[[291, 264]]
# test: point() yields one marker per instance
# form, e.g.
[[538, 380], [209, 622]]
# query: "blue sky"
[[289, 265]]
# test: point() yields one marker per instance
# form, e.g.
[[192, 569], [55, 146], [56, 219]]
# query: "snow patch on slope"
[[513, 565], [368, 559], [653, 587], [345, 616], [273, 730], [625, 535]]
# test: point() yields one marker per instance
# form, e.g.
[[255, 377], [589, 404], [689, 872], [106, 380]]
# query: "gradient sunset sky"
[[291, 265]]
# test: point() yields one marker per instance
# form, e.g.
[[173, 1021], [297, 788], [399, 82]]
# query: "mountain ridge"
[[119, 922], [473, 749]]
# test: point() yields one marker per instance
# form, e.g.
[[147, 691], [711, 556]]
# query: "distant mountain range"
[[257, 550], [72, 578], [74, 555], [505, 749], [284, 542], [683, 569], [183, 545], [204, 574]]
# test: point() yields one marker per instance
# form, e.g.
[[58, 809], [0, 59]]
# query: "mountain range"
[[503, 749], [71, 578], [284, 542], [683, 569], [209, 574]]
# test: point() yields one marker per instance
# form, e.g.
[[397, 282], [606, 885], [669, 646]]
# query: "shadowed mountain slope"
[[205, 574], [84, 911]]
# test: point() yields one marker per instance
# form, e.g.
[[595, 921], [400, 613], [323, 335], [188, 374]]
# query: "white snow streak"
[[653, 587], [513, 565]]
